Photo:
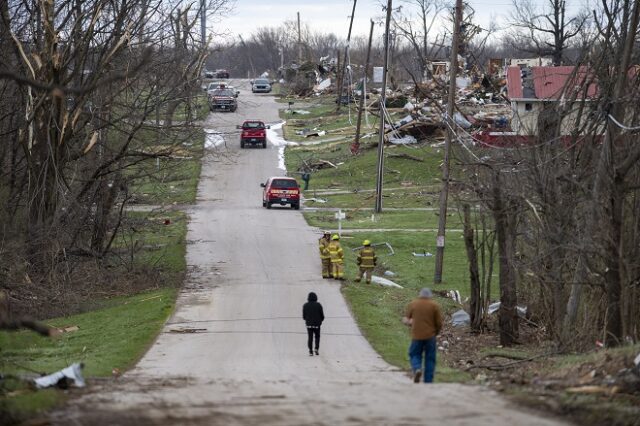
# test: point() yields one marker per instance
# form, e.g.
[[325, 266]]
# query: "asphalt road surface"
[[246, 361]]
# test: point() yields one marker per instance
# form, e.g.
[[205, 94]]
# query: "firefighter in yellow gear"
[[367, 260], [337, 258], [325, 257]]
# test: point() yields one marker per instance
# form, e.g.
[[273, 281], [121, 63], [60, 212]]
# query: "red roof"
[[551, 83], [514, 83]]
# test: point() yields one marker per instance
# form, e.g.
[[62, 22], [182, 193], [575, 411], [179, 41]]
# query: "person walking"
[[367, 260], [424, 317], [337, 258], [325, 257], [313, 316]]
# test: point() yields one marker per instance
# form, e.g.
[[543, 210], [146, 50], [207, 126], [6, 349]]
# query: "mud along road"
[[247, 362]]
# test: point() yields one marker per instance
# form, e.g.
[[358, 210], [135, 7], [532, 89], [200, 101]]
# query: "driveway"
[[234, 352]]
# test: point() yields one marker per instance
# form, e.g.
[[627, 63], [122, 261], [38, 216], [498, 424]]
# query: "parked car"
[[209, 74], [222, 73], [282, 191], [261, 85], [254, 132], [223, 100]]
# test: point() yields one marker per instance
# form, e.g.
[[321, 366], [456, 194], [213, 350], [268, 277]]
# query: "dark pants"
[[313, 331], [428, 347]]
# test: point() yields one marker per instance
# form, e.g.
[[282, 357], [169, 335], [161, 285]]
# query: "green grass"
[[113, 337], [359, 172], [200, 109], [155, 239], [173, 179], [367, 219]]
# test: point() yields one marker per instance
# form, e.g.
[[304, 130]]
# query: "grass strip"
[[106, 339]]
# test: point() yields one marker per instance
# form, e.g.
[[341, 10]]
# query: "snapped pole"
[[444, 193], [383, 98], [346, 55], [356, 143]]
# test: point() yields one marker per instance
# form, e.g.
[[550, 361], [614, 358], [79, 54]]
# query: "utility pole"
[[355, 147], [203, 23], [383, 99], [444, 193], [299, 42], [346, 55]]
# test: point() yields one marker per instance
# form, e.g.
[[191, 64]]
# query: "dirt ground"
[[598, 390]]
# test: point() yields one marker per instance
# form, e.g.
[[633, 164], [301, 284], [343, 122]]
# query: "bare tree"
[[85, 77], [546, 30], [414, 21]]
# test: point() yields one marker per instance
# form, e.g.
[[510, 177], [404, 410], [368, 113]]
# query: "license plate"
[[223, 107], [254, 140], [283, 200]]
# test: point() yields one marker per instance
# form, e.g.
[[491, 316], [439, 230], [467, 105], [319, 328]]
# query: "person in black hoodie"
[[313, 316]]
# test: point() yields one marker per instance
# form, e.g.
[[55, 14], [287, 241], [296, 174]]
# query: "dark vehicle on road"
[[223, 100], [254, 132], [261, 85], [222, 74], [281, 190]]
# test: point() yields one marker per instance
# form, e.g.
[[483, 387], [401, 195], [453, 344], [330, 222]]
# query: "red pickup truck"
[[254, 132]]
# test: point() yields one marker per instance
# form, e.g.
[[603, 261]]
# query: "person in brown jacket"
[[424, 317]]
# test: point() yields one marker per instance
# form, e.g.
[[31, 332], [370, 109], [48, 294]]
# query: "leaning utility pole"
[[444, 194], [383, 100], [299, 42], [346, 55], [355, 147], [203, 23]]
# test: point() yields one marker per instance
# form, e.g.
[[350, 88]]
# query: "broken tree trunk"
[[474, 280], [503, 216]]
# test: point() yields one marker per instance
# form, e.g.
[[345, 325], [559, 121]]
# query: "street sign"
[[340, 215]]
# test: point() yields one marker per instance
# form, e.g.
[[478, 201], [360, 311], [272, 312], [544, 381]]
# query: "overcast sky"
[[333, 15]]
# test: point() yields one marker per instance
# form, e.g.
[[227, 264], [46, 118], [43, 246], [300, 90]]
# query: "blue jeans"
[[428, 347]]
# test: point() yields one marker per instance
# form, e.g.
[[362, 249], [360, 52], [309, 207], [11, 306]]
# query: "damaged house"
[[548, 97]]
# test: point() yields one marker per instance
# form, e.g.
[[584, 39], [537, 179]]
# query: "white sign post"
[[340, 215]]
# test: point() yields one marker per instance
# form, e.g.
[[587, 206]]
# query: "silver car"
[[260, 85]]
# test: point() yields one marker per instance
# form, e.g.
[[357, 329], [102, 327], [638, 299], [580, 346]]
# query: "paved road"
[[247, 364]]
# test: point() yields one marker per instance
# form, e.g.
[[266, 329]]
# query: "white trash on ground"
[[405, 140], [460, 318], [384, 282], [73, 373], [423, 254], [455, 296]]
